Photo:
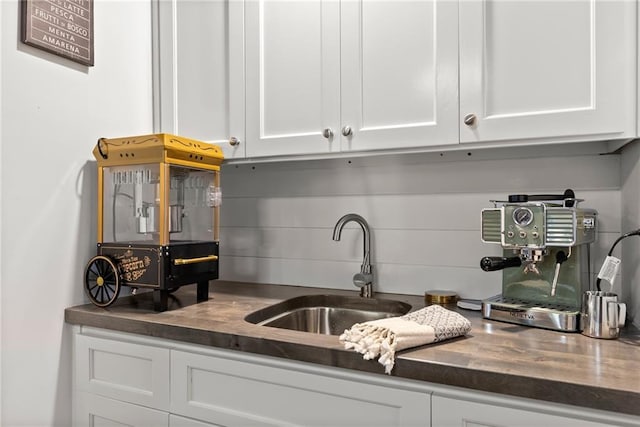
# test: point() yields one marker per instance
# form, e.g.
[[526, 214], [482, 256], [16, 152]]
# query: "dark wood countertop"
[[496, 357]]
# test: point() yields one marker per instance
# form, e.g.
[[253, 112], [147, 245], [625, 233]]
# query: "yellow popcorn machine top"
[[158, 217]]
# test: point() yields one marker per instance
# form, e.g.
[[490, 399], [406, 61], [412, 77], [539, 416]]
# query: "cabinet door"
[[176, 421], [200, 77], [127, 371], [292, 76], [532, 69], [246, 393], [97, 411], [448, 412], [399, 73]]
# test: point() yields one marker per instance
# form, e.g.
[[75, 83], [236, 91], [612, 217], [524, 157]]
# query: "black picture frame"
[[61, 27]]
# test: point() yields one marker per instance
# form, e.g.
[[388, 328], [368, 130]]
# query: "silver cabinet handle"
[[346, 131], [470, 119], [233, 141], [327, 133]]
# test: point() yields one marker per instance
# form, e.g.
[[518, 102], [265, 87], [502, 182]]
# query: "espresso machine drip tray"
[[555, 317]]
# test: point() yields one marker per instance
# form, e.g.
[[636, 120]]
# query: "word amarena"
[[60, 43]]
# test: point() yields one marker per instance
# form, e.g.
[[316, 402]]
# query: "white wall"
[[424, 210], [52, 112], [629, 249], [1, 299]]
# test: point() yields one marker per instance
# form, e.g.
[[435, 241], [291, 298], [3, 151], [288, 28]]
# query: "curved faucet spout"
[[364, 280]]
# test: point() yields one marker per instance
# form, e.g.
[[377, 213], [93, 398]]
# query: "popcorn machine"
[[158, 217]]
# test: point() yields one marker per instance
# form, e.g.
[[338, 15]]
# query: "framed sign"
[[62, 27]]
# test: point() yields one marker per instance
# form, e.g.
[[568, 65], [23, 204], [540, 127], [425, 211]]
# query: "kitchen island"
[[510, 360]]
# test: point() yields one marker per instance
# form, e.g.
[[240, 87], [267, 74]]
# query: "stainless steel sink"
[[326, 314]]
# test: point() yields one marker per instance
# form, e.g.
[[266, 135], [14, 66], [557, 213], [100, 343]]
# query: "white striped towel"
[[382, 338]]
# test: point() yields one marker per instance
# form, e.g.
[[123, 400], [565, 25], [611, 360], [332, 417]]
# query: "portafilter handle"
[[495, 263]]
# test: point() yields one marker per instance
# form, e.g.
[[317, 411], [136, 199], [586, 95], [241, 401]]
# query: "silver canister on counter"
[[602, 315]]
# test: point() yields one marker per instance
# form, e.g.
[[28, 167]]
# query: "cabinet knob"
[[470, 119], [233, 141], [346, 131], [327, 133]]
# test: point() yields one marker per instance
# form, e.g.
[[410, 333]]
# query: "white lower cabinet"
[[511, 412], [178, 421], [130, 380], [242, 392], [124, 370], [98, 411], [122, 378]]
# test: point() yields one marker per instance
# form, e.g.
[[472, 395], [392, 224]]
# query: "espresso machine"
[[545, 263]]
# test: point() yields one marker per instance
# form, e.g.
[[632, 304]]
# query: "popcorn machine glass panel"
[[193, 196], [132, 204]]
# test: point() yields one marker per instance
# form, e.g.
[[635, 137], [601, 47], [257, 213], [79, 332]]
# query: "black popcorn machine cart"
[[158, 217]]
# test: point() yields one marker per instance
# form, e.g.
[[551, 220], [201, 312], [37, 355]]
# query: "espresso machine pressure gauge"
[[522, 216]]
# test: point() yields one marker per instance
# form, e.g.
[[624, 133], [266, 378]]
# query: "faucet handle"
[[362, 279], [365, 282]]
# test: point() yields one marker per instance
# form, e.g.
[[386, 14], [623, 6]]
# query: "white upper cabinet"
[[199, 71], [399, 79], [547, 69], [293, 76], [286, 78], [326, 76]]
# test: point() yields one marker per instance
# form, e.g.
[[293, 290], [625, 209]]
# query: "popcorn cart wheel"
[[102, 281]]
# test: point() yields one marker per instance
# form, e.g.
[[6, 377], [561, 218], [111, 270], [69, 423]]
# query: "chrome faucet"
[[364, 279]]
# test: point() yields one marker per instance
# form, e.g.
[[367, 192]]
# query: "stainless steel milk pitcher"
[[602, 315]]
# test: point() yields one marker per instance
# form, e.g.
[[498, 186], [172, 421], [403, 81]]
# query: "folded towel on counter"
[[382, 338]]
